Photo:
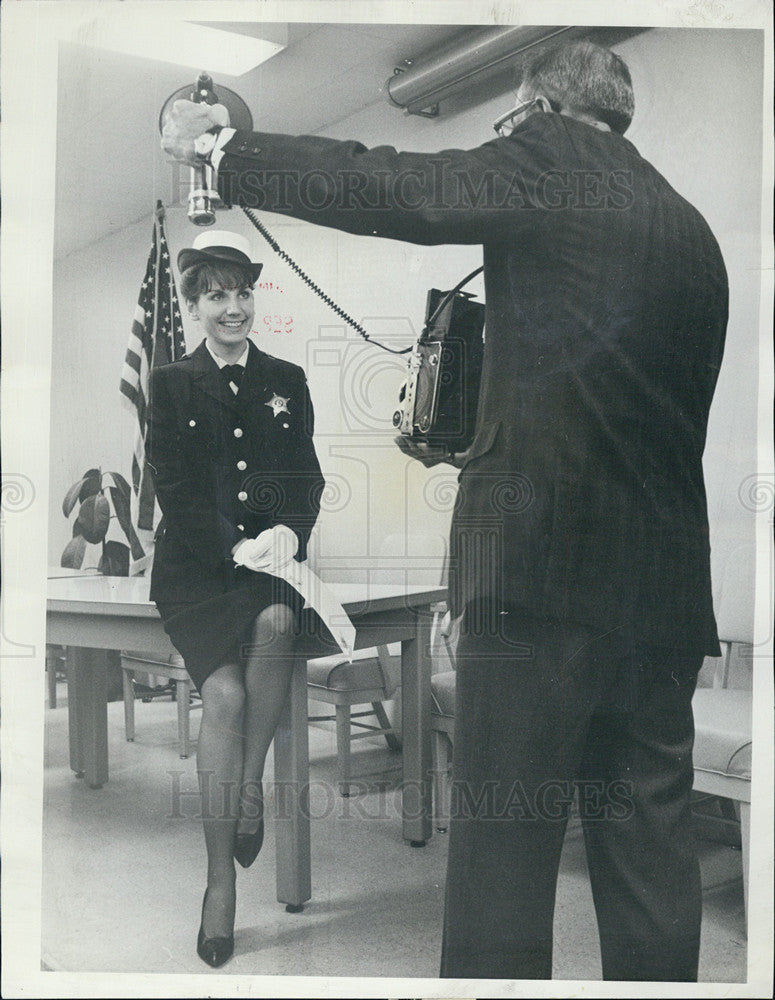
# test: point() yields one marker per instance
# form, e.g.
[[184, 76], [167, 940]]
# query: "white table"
[[92, 614]]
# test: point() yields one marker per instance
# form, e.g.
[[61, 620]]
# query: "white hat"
[[220, 245]]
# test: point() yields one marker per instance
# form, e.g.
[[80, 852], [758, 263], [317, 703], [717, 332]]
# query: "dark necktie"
[[232, 373]]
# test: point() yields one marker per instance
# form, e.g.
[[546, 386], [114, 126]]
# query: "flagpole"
[[158, 220]]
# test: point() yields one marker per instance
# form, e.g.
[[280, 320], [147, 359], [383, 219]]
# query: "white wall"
[[698, 119]]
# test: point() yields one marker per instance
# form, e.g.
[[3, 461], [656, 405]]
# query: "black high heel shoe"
[[215, 951], [247, 845]]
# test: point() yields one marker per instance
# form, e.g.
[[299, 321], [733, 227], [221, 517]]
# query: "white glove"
[[269, 552], [272, 552]]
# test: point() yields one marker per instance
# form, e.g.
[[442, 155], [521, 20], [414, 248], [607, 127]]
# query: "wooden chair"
[[56, 663], [443, 734], [374, 676], [147, 665], [722, 751], [369, 680], [723, 702]]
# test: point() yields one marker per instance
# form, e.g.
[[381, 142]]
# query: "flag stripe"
[[132, 361], [130, 391]]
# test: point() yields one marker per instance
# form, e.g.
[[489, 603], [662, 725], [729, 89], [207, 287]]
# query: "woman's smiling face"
[[226, 315]]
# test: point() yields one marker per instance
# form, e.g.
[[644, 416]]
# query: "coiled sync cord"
[[316, 288], [330, 302]]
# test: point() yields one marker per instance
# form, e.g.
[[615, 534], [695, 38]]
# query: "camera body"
[[438, 400]]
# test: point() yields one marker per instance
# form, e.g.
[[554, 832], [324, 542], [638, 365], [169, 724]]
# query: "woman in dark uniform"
[[238, 481]]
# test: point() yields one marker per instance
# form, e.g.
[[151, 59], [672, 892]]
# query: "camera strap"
[[447, 296]]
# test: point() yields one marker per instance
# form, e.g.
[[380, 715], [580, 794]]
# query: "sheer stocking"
[[268, 669], [219, 764]]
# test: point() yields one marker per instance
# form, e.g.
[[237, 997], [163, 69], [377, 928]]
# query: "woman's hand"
[[237, 547], [269, 552], [430, 455]]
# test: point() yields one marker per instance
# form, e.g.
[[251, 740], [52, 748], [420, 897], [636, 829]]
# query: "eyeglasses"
[[506, 124]]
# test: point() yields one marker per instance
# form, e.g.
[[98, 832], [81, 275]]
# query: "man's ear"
[[543, 103]]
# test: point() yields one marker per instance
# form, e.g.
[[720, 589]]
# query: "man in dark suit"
[[579, 543]]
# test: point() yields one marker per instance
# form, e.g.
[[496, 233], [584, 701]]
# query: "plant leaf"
[[93, 518], [92, 484], [120, 483], [123, 513], [71, 496], [75, 550], [115, 559]]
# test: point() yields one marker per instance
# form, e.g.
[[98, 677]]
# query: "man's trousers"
[[535, 721]]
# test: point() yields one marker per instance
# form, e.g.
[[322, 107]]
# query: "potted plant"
[[104, 497]]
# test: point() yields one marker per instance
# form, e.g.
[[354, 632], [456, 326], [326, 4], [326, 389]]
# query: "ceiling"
[[110, 167]]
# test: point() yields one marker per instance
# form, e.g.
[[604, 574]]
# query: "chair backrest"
[[142, 566], [734, 607], [734, 602]]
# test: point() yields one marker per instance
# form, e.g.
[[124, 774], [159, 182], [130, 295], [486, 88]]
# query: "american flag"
[[156, 339]]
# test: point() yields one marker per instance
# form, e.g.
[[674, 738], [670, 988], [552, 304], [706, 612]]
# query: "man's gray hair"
[[584, 77]]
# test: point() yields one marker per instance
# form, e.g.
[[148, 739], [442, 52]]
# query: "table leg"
[[417, 796], [745, 840], [88, 714], [291, 769], [73, 708]]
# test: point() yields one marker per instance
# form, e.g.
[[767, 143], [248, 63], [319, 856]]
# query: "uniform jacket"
[[606, 309], [226, 467]]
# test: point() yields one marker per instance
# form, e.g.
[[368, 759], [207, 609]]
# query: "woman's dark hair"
[[200, 278], [584, 77]]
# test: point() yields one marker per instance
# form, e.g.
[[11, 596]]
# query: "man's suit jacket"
[[226, 467], [606, 308]]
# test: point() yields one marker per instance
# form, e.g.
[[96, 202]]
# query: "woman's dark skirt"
[[212, 632]]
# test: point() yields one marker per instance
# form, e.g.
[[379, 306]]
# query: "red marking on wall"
[[279, 323]]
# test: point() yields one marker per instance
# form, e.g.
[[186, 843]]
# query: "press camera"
[[438, 399]]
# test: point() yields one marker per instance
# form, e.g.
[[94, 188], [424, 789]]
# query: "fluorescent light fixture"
[[152, 35], [465, 62]]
